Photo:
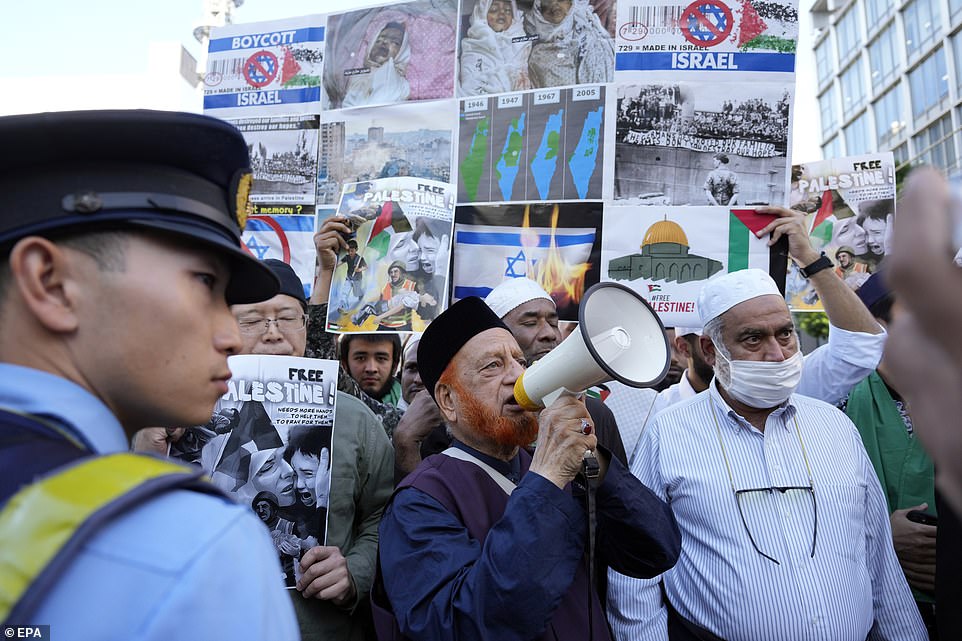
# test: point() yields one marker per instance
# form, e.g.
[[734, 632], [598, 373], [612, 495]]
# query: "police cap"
[[178, 173]]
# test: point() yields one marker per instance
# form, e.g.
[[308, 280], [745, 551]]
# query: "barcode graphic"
[[228, 67], [655, 16]]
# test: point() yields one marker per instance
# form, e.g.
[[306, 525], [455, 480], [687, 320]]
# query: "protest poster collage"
[[471, 141]]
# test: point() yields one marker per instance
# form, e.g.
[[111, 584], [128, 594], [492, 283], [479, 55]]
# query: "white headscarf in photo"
[[385, 84], [578, 50], [490, 61]]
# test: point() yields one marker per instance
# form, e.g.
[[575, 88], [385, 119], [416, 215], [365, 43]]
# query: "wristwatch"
[[822, 262]]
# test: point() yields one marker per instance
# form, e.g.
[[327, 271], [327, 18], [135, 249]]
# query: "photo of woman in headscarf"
[[494, 52], [572, 46]]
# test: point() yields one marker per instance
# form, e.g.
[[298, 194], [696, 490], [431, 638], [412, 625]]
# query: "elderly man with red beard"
[[487, 541]]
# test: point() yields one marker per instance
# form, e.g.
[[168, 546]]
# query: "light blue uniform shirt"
[[851, 590], [182, 566]]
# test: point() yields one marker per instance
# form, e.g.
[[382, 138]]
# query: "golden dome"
[[665, 231]]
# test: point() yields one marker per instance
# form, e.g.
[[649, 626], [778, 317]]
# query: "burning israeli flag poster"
[[558, 245], [393, 275], [269, 446], [666, 254]]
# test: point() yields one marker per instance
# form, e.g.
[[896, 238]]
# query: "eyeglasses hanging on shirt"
[[780, 493]]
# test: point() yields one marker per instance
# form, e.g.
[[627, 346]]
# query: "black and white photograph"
[[283, 153], [702, 144]]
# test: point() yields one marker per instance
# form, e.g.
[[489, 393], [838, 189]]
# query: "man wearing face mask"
[[774, 493]]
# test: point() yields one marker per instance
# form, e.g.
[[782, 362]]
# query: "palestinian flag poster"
[[850, 204], [393, 275], [269, 446], [557, 245], [667, 253]]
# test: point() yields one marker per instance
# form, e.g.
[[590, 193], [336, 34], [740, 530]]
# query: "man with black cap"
[[484, 541], [121, 252]]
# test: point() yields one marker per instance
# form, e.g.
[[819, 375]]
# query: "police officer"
[[120, 247]]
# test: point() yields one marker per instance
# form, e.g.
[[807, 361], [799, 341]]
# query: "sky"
[[63, 55]]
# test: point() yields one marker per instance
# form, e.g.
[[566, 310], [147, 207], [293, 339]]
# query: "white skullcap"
[[513, 292], [685, 331], [723, 292]]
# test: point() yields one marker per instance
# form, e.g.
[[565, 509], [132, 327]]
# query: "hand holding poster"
[[393, 276], [851, 206], [268, 445]]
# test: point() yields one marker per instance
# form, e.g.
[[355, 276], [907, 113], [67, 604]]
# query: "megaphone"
[[619, 338]]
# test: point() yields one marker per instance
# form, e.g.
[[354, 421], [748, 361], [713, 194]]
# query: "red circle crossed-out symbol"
[[698, 27], [260, 69], [277, 229]]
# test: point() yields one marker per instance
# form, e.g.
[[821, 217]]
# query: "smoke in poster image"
[[391, 54], [268, 446], [695, 144]]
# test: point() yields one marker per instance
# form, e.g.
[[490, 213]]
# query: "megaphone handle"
[[590, 472]]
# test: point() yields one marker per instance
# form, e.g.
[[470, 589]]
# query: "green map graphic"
[[473, 164]]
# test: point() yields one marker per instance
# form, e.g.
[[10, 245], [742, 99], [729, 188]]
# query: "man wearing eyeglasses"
[[785, 527]]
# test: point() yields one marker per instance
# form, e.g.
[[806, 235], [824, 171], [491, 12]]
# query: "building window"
[[901, 153], [858, 139], [923, 25], [853, 89], [824, 65], [876, 10], [955, 6], [957, 53], [935, 145], [828, 110], [889, 116], [848, 33], [833, 148], [929, 84], [881, 57]]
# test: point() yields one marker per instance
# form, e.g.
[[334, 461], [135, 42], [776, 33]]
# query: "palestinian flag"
[[771, 25], [390, 221], [746, 250]]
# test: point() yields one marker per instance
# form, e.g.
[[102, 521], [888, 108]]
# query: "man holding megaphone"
[[486, 541]]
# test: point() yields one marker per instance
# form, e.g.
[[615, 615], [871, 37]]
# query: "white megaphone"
[[619, 338]]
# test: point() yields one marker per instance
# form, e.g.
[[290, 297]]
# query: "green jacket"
[[362, 481], [904, 469]]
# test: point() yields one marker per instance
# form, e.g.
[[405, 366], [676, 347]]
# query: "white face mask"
[[759, 384]]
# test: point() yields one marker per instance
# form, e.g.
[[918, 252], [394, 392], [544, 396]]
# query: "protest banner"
[[408, 139], [391, 54], [393, 276], [543, 145], [265, 68], [557, 245], [850, 204], [268, 446], [666, 254]]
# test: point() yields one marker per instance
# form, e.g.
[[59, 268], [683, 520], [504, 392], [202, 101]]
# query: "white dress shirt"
[[853, 587]]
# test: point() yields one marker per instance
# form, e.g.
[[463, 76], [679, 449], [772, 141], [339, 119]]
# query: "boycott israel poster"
[[390, 54], [688, 143], [410, 139], [730, 36], [268, 445], [544, 145], [393, 276], [558, 245], [666, 254], [850, 204], [265, 68]]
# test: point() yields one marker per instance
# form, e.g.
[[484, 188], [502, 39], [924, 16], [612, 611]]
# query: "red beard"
[[519, 431]]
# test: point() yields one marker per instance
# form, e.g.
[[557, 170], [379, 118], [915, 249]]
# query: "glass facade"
[[848, 33], [928, 84], [923, 25], [936, 145], [882, 58], [876, 11], [824, 62], [890, 119], [853, 89], [858, 139], [828, 110]]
